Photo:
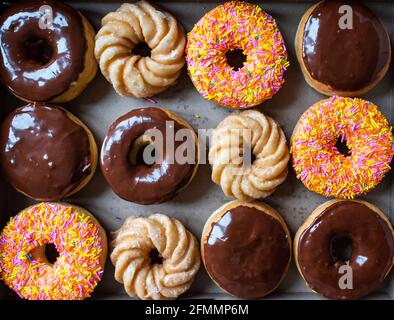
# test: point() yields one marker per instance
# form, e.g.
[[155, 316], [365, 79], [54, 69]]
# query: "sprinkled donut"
[[322, 167], [233, 26], [77, 236]]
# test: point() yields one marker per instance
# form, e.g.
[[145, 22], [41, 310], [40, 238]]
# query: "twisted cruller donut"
[[268, 145], [316, 159], [77, 236], [133, 244], [133, 75]]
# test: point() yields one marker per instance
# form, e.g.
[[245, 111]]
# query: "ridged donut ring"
[[133, 75], [268, 145], [178, 248]]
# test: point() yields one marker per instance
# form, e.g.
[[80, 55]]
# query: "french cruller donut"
[[155, 257], [131, 73], [248, 136]]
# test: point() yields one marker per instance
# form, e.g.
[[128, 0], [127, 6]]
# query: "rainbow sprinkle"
[[78, 268], [318, 163], [236, 25]]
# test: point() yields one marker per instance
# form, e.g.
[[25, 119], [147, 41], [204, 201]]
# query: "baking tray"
[[99, 106]]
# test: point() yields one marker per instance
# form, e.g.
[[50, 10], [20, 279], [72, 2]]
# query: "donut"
[[242, 135], [241, 34], [47, 51], [46, 153], [128, 140], [133, 73], [341, 54], [246, 248], [155, 257], [345, 239], [79, 239], [319, 164]]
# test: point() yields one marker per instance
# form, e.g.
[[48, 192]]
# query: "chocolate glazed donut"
[[46, 153], [42, 62], [342, 61], [246, 248], [134, 180], [321, 248]]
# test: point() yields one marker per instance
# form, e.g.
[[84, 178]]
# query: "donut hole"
[[142, 49], [248, 156], [155, 257], [46, 253], [142, 152], [51, 253], [341, 248], [342, 147], [235, 58], [38, 50]]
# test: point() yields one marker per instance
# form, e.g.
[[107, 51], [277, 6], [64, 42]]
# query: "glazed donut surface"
[[246, 248], [318, 251], [49, 62], [165, 177], [365, 54], [46, 153]]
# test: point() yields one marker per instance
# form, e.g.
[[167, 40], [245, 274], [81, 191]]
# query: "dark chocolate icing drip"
[[344, 59], [43, 153], [371, 257], [36, 63], [247, 252]]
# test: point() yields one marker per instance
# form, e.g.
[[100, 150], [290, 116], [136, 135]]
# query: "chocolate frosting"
[[349, 59], [371, 257], [43, 153], [41, 64], [140, 183], [247, 252]]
